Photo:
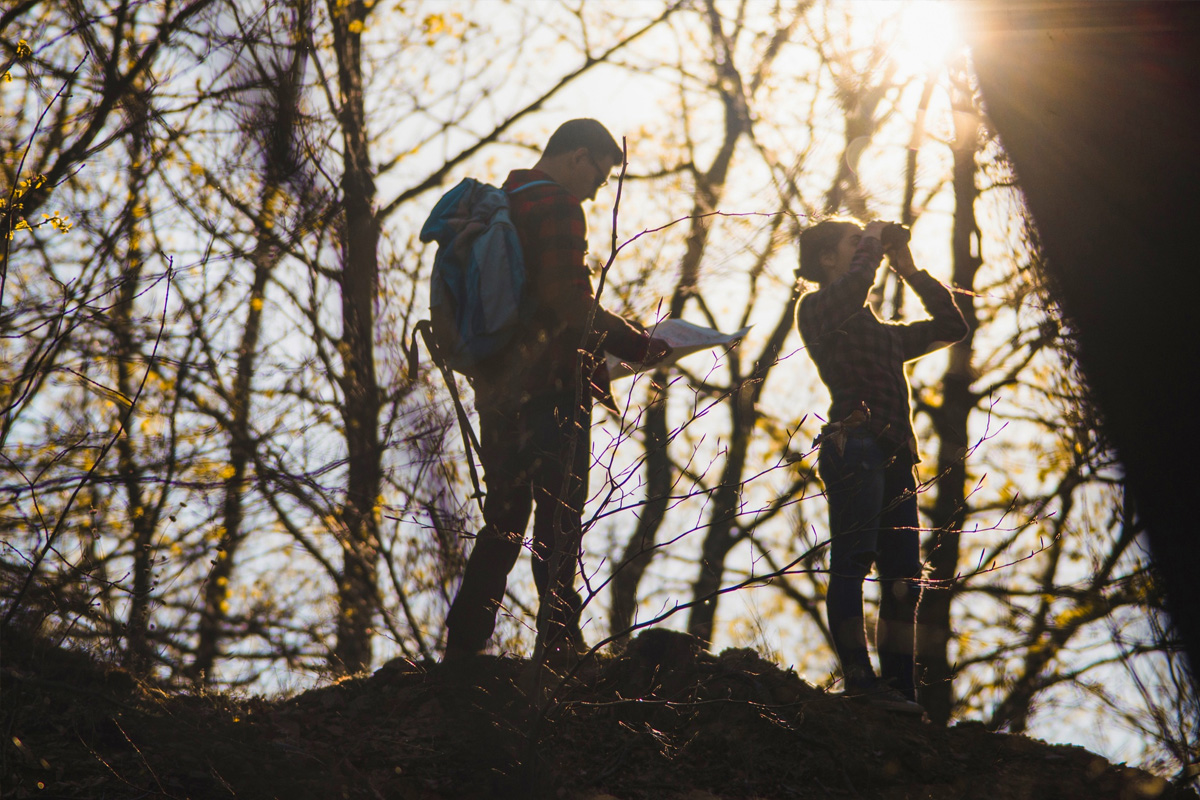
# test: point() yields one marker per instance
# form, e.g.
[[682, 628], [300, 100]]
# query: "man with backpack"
[[534, 399]]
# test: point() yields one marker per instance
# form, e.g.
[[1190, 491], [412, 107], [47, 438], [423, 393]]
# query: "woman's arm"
[[825, 310], [946, 325]]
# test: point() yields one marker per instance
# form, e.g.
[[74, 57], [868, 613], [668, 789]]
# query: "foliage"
[[219, 469]]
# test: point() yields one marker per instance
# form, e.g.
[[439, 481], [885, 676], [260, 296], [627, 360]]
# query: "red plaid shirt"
[[545, 356], [860, 358]]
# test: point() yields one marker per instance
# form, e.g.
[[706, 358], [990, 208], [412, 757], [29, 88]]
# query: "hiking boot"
[[458, 655], [880, 694], [462, 665], [892, 700]]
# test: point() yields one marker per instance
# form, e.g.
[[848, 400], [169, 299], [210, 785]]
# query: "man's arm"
[[565, 288]]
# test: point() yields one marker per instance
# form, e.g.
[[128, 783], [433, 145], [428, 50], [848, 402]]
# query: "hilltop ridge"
[[662, 720]]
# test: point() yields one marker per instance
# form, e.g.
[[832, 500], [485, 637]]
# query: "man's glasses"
[[601, 175]]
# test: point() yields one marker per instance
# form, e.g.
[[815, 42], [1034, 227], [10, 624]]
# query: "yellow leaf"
[[434, 23]]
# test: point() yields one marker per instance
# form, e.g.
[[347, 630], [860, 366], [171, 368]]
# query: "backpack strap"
[[529, 185], [470, 440]]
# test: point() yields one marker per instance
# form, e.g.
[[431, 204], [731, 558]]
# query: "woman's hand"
[[901, 261], [873, 230]]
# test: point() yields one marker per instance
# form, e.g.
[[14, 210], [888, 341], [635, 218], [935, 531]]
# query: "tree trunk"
[[126, 354], [216, 589], [282, 112], [935, 671], [720, 537], [640, 548], [357, 591]]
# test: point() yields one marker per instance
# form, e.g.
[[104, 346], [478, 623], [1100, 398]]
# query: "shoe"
[[460, 655], [880, 694], [462, 664], [892, 700]]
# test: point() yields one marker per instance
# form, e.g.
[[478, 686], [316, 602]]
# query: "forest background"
[[219, 469]]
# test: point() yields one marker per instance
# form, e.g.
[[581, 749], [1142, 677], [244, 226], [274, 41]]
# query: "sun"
[[927, 33]]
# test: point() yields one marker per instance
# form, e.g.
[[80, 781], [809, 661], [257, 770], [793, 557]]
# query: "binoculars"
[[893, 235]]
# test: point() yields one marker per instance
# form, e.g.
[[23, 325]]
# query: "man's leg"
[[472, 616], [560, 492], [854, 489], [899, 565]]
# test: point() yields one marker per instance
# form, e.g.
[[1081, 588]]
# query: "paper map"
[[685, 338]]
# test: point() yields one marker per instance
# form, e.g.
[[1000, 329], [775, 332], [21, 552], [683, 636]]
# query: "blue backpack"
[[477, 297]]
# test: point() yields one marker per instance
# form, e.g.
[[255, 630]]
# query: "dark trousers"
[[525, 451], [872, 522]]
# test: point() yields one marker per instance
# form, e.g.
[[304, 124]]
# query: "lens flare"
[[927, 34]]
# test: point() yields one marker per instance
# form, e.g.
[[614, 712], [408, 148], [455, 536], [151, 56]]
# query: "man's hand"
[[656, 351], [901, 261]]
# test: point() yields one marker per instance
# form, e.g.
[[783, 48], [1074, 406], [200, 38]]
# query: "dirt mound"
[[663, 720]]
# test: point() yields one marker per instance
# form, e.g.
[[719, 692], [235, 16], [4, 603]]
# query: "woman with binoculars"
[[868, 449]]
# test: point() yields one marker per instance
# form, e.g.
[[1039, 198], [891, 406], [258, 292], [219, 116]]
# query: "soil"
[[662, 720]]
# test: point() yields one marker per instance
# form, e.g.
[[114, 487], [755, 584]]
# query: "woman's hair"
[[816, 241]]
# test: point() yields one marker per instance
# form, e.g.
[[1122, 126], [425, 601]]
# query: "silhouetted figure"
[[868, 449], [535, 401]]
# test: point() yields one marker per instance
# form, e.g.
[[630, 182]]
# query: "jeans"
[[873, 522], [524, 450]]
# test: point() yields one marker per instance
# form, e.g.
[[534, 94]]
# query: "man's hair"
[[589, 133], [819, 239]]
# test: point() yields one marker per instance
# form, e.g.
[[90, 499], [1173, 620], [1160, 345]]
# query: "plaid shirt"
[[545, 357], [861, 359]]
